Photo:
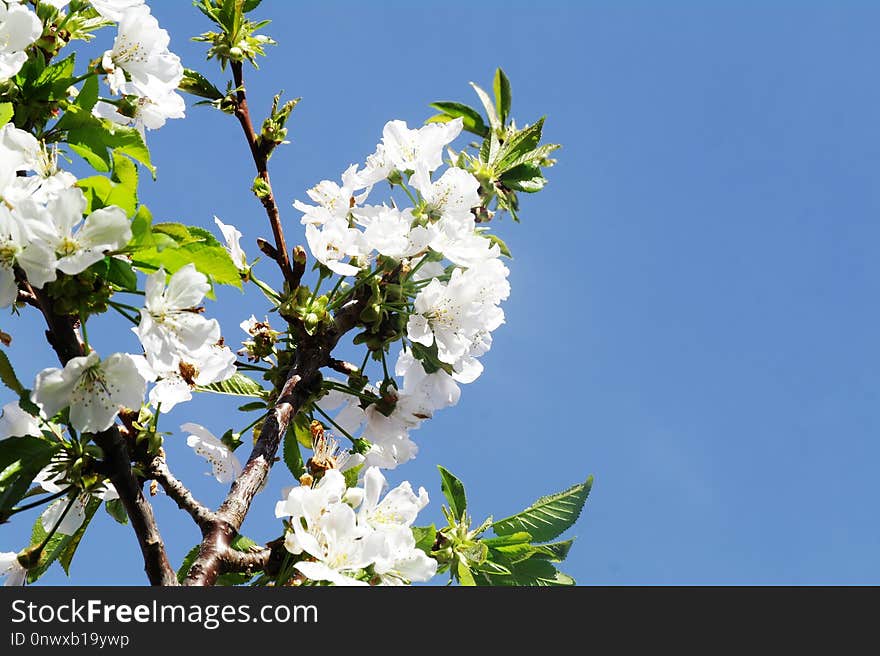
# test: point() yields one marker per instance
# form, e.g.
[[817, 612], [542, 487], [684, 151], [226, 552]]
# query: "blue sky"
[[693, 316]]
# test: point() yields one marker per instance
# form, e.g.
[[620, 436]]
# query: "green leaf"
[[351, 475], [425, 537], [549, 516], [60, 547], [253, 405], [521, 142], [489, 107], [116, 510], [464, 574], [291, 453], [501, 87], [471, 119], [237, 385], [524, 177], [503, 540], [21, 459], [188, 561], [121, 274], [555, 551], [301, 424], [94, 139], [197, 84], [453, 490], [495, 239], [532, 572], [88, 95], [174, 245], [7, 375], [101, 192], [6, 112]]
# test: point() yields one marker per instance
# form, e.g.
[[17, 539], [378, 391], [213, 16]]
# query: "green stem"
[[118, 307], [40, 502], [266, 289], [335, 425], [333, 291], [85, 334]]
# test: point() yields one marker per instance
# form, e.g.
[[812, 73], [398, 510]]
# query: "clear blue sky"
[[694, 312]]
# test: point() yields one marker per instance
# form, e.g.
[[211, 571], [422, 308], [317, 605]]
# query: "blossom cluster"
[[346, 535], [455, 307]]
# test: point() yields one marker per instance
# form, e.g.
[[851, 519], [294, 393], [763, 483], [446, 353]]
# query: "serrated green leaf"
[[94, 139], [291, 453], [453, 490], [60, 547], [532, 572], [102, 192], [501, 87], [464, 574], [253, 405], [116, 510], [88, 95], [489, 106], [7, 375], [121, 274], [188, 561], [197, 84], [301, 424], [351, 475], [524, 177], [502, 540], [471, 119], [517, 145], [21, 459], [425, 537], [549, 516], [237, 385], [495, 239], [6, 112], [555, 551]]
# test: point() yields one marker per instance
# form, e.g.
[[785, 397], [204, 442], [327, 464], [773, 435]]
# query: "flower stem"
[[40, 502], [335, 425]]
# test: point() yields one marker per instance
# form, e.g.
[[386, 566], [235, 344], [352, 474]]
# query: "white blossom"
[[212, 364], [390, 231], [141, 50], [10, 569], [171, 328], [152, 104], [19, 28], [336, 543], [411, 150], [18, 247], [15, 422], [18, 152], [232, 235], [225, 466], [114, 9], [333, 242], [94, 389], [78, 244], [399, 561], [333, 200], [451, 197]]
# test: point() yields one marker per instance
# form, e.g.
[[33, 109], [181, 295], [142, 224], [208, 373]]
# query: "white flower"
[[94, 389], [19, 151], [154, 103], [141, 50], [309, 503], [224, 464], [233, 244], [114, 9], [411, 150], [452, 196], [78, 244], [399, 561], [434, 391], [209, 365], [18, 247], [399, 507], [19, 28], [389, 231], [376, 169], [15, 422], [463, 246], [453, 314], [389, 437], [74, 518], [336, 542], [333, 200], [171, 328], [47, 181], [10, 568], [333, 242]]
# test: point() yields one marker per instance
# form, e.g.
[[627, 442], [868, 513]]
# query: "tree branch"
[[261, 160], [67, 345], [180, 494]]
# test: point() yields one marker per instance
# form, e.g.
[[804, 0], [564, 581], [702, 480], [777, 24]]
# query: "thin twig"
[[180, 494]]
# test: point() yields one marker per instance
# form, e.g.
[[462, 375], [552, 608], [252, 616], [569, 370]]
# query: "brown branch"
[[248, 562], [117, 459], [180, 494], [261, 160]]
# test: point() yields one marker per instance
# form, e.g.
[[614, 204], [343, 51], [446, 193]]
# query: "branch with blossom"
[[406, 264]]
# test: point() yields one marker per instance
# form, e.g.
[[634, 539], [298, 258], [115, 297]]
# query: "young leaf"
[[471, 119], [188, 561], [425, 537], [501, 87], [532, 572], [197, 84], [7, 375], [21, 459], [351, 475], [495, 239], [489, 107], [292, 455], [116, 510], [237, 385], [6, 112], [549, 516], [453, 490]]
